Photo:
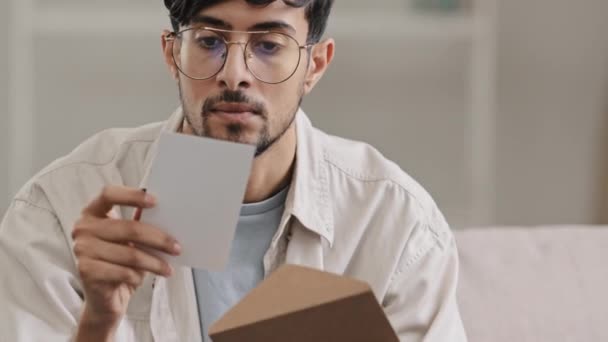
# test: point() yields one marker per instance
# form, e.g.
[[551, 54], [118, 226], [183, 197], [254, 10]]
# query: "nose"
[[235, 74]]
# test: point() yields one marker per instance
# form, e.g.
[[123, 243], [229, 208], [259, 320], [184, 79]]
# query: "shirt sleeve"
[[421, 300], [40, 295]]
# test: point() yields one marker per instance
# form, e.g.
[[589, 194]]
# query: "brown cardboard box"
[[298, 304]]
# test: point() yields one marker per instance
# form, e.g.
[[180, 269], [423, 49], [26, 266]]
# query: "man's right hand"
[[110, 262]]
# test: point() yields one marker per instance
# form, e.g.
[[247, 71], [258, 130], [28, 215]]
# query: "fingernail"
[[149, 200], [177, 248], [169, 270]]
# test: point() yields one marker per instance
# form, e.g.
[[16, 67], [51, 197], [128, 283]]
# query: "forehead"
[[241, 16]]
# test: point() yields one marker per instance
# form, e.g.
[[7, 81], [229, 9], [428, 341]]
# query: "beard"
[[199, 121]]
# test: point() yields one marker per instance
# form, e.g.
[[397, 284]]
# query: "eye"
[[209, 42], [266, 47], [269, 46]]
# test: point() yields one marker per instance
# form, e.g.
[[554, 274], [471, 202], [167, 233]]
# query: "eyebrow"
[[263, 26], [273, 25], [211, 21]]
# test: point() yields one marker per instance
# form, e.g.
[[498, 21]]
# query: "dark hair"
[[181, 12]]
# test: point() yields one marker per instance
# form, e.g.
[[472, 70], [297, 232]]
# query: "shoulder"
[[362, 164], [97, 157], [377, 205]]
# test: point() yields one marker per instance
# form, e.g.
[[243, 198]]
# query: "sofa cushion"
[[534, 284]]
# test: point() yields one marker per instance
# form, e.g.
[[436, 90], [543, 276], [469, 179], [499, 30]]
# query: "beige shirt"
[[349, 211]]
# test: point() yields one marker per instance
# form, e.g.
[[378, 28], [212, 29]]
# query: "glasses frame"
[[173, 36]]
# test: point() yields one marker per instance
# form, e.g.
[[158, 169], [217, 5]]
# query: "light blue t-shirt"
[[217, 292]]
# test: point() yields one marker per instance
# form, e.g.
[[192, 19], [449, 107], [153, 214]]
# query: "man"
[[71, 247]]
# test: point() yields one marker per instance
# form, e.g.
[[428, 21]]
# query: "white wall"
[[104, 81], [553, 110], [407, 96], [3, 106], [410, 102], [405, 87]]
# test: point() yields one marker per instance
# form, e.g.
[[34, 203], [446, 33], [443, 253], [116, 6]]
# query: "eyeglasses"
[[201, 53]]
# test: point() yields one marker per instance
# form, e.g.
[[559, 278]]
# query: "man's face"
[[234, 105]]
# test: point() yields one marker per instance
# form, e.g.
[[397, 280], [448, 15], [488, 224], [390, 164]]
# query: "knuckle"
[[82, 227], [105, 192], [133, 231], [133, 257], [79, 228], [79, 248], [76, 232], [131, 277], [163, 266], [168, 242], [115, 225], [83, 268]]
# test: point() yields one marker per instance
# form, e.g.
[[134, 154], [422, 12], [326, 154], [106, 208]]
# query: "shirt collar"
[[308, 198]]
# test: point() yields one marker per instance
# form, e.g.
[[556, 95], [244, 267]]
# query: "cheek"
[[282, 101], [285, 96], [194, 93], [282, 98]]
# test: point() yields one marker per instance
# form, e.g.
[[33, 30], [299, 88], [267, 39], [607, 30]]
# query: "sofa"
[[534, 284]]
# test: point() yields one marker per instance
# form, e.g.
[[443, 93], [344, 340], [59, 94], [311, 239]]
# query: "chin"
[[241, 138]]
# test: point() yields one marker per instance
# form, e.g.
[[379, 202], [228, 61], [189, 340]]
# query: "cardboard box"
[[298, 304]]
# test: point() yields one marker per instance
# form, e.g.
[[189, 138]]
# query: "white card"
[[199, 184]]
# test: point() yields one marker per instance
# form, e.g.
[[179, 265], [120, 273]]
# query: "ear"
[[321, 56], [167, 46]]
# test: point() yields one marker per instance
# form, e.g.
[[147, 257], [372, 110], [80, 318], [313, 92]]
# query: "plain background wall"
[[553, 110], [406, 96], [410, 102], [4, 10]]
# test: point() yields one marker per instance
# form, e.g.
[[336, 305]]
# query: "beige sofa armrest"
[[534, 284]]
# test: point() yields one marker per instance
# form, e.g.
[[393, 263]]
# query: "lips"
[[234, 108]]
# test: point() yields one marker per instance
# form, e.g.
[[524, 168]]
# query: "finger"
[[124, 255], [97, 271], [118, 195], [123, 231]]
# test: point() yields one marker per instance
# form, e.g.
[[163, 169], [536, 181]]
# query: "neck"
[[272, 170]]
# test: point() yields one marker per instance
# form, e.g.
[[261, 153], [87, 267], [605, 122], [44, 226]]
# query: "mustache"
[[234, 97]]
